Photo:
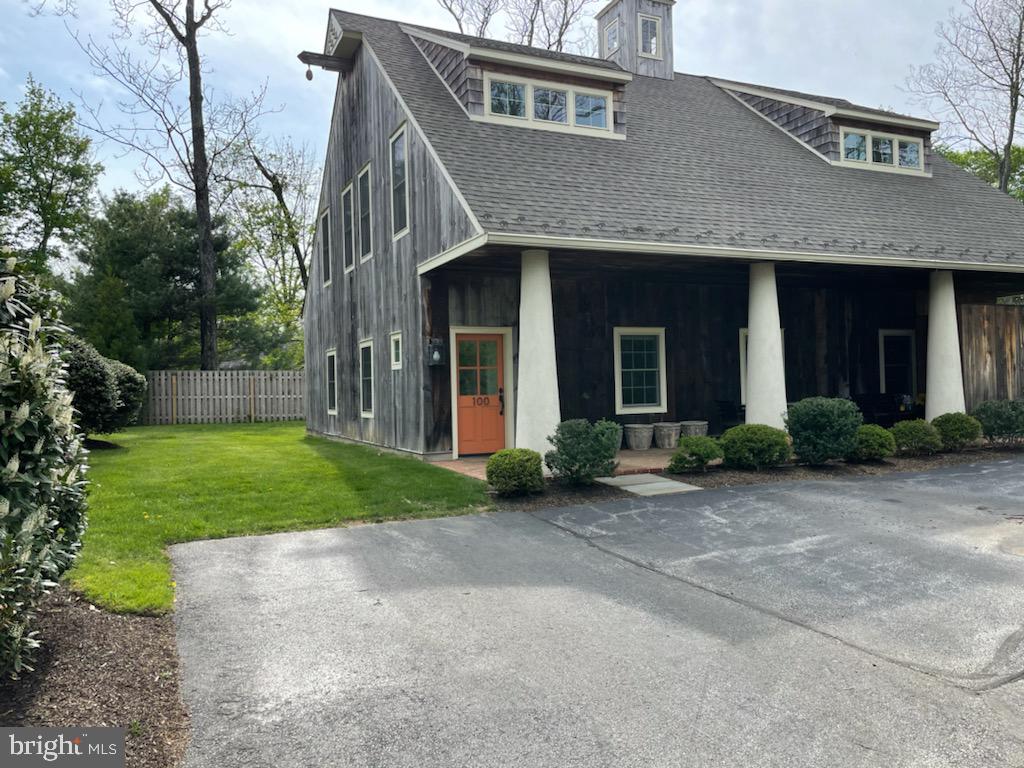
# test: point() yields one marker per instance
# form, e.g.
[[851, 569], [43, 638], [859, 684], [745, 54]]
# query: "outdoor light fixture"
[[309, 72], [435, 352]]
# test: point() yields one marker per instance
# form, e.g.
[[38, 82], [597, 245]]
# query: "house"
[[511, 236]]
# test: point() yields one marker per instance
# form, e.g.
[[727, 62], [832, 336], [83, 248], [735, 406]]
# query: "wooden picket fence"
[[207, 397]]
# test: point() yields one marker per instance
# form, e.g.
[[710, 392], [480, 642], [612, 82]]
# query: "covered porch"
[[640, 338]]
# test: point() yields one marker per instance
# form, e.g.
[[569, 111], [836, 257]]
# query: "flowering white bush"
[[42, 466]]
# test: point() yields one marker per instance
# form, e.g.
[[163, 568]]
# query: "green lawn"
[[163, 485]]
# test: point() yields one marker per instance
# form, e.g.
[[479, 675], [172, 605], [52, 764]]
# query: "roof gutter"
[[676, 249]]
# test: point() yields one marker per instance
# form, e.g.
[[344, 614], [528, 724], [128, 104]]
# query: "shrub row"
[[107, 393], [1002, 421], [42, 466]]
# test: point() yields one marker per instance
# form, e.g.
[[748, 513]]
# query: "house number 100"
[[483, 401]]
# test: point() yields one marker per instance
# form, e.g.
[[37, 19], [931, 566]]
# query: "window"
[[366, 379], [650, 36], [744, 334], [640, 370], [396, 351], [897, 362], [332, 382], [399, 184], [591, 110], [882, 151], [348, 247], [365, 215], [551, 106], [508, 98], [325, 248], [611, 37]]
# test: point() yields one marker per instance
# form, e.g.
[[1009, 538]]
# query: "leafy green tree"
[[47, 177], [138, 297], [982, 164]]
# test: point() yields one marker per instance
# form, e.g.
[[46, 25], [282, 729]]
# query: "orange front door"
[[481, 399]]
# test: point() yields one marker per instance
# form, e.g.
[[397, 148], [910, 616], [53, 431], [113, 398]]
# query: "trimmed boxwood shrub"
[[1002, 421], [755, 446], [583, 451], [823, 428], [694, 453], [42, 466], [916, 437], [957, 430], [872, 443], [515, 471], [107, 393]]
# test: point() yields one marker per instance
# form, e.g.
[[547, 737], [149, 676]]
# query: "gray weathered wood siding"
[[381, 295], [627, 56], [993, 352], [811, 126], [465, 79]]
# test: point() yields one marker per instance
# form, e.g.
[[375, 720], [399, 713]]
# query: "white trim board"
[[510, 393]]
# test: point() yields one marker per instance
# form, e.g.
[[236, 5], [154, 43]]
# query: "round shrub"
[[42, 466], [872, 443], [1002, 421], [957, 430], [755, 446], [694, 453], [583, 451], [916, 437], [823, 428], [131, 389], [94, 386], [515, 471]]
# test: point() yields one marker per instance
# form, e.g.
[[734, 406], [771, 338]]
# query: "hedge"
[[515, 471], [583, 451], [823, 428], [755, 446]]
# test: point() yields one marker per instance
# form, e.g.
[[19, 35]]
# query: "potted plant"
[[639, 436]]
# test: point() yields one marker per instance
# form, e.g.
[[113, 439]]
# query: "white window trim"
[[870, 161], [350, 191], [613, 24], [366, 414], [364, 171], [391, 198], [744, 336], [396, 365], [884, 333], [326, 240], [658, 41], [662, 407], [331, 357], [529, 121]]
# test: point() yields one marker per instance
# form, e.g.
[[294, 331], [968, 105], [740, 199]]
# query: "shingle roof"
[[501, 45], [697, 168]]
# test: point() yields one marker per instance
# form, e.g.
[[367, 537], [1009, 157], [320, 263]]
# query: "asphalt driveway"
[[853, 623]]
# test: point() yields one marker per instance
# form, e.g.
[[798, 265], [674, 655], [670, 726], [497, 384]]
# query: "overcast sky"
[[860, 51]]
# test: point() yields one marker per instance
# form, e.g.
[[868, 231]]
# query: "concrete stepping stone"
[[647, 484]]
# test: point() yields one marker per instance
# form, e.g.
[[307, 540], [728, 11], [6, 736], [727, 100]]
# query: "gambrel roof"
[[698, 170]]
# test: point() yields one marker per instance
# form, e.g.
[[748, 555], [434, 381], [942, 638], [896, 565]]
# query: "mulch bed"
[[102, 669], [557, 494], [718, 477]]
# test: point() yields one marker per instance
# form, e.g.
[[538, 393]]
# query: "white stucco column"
[[766, 371], [945, 388], [537, 409]]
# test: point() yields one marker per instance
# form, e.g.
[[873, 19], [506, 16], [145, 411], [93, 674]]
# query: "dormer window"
[[547, 105], [650, 36], [882, 151], [611, 38]]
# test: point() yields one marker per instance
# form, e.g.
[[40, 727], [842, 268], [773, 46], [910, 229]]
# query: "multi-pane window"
[[348, 247], [332, 382], [399, 183], [325, 247], [640, 370], [553, 106], [366, 379], [591, 110], [650, 37], [365, 215], [882, 151], [611, 37], [508, 98], [549, 104]]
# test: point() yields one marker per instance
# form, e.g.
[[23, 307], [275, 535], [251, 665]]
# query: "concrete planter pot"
[[639, 436], [694, 428], [666, 434]]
